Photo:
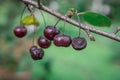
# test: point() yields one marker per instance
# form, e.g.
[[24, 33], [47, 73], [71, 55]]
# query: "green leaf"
[[29, 20], [96, 19]]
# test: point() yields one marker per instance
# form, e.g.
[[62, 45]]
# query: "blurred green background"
[[100, 60]]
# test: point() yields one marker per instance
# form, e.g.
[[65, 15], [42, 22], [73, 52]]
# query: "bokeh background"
[[100, 60]]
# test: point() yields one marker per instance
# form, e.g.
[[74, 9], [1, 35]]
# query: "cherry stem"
[[64, 25], [22, 15], [34, 33], [79, 33], [32, 14], [35, 30], [34, 37], [87, 31], [80, 13], [57, 22], [43, 17], [78, 22]]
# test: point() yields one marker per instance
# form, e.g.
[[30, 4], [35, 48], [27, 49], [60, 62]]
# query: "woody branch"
[[73, 22]]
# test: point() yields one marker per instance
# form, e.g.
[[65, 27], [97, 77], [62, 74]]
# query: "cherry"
[[36, 53], [20, 31], [79, 43], [62, 40], [43, 42], [33, 48], [50, 32], [40, 53], [33, 52]]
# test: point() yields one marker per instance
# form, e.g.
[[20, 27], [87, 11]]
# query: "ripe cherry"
[[62, 40], [40, 53], [79, 43], [36, 53], [20, 31], [43, 42], [33, 48], [50, 32]]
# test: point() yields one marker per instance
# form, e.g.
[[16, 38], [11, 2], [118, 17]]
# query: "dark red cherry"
[[50, 32], [79, 43], [43, 42], [33, 48], [40, 53], [62, 40], [33, 52], [20, 31], [36, 53]]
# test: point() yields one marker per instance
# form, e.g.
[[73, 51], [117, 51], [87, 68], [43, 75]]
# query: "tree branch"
[[82, 26]]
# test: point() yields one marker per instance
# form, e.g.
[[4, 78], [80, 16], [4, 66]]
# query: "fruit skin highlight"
[[50, 32], [79, 43], [20, 31], [62, 40]]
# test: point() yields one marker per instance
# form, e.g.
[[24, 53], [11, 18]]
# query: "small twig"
[[116, 30], [29, 8], [69, 14], [73, 22], [39, 4], [90, 35]]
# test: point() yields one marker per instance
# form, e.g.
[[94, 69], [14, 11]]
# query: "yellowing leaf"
[[29, 20]]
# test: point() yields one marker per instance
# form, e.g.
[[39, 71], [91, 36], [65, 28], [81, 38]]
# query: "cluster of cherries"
[[51, 33]]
